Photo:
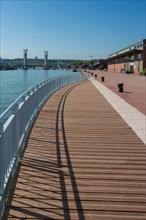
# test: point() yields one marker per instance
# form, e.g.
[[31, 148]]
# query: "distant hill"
[[32, 63], [6, 64]]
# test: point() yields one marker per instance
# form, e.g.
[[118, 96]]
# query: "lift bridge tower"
[[45, 59], [25, 58]]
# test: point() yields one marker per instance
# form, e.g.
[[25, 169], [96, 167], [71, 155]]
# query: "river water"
[[14, 82]]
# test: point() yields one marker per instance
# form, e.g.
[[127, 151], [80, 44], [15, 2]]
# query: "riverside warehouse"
[[131, 59]]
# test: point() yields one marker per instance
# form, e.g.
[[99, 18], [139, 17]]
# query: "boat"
[[74, 70]]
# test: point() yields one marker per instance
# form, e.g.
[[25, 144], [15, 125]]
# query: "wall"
[[144, 54], [116, 68]]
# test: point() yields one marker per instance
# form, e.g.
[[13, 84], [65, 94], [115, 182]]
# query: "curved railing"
[[16, 122]]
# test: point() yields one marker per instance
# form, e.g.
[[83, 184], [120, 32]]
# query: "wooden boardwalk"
[[82, 161]]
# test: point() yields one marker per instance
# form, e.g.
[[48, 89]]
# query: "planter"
[[102, 78], [120, 86]]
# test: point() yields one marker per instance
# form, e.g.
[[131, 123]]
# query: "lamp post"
[[92, 62]]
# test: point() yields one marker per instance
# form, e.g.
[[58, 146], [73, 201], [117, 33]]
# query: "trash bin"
[[120, 86], [102, 78]]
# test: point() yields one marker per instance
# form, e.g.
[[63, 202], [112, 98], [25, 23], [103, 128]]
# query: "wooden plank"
[[82, 161]]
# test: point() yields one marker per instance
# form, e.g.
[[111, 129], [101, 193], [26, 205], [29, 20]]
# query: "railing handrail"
[[14, 129], [19, 99]]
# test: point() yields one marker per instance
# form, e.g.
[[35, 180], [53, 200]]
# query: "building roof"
[[129, 48], [130, 52]]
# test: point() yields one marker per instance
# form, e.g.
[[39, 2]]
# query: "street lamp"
[[92, 62]]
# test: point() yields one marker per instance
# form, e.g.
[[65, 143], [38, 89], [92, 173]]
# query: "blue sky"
[[70, 29]]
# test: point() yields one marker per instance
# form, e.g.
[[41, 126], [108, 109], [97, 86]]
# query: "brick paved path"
[[134, 87]]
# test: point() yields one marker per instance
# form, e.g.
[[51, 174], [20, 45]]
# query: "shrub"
[[143, 72], [122, 70]]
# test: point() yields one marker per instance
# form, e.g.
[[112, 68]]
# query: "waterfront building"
[[25, 58], [131, 59]]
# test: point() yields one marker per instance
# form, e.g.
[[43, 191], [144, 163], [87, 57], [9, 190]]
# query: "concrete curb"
[[135, 119]]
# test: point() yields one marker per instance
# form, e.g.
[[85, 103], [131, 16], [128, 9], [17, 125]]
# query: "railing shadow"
[[39, 183], [22, 202], [77, 199], [51, 170], [61, 173]]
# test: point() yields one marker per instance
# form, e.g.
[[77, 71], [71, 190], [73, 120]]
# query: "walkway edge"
[[135, 119]]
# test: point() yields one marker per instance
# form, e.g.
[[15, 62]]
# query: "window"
[[121, 60], [126, 59], [139, 56], [132, 58]]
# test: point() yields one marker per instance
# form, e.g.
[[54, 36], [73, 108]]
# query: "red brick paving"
[[134, 87]]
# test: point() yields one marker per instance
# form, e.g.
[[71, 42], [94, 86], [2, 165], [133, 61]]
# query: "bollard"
[[120, 86], [102, 78]]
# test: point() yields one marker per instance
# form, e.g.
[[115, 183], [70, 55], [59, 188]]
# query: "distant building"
[[131, 59], [99, 64]]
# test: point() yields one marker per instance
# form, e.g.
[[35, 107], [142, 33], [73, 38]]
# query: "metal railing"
[[16, 122]]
